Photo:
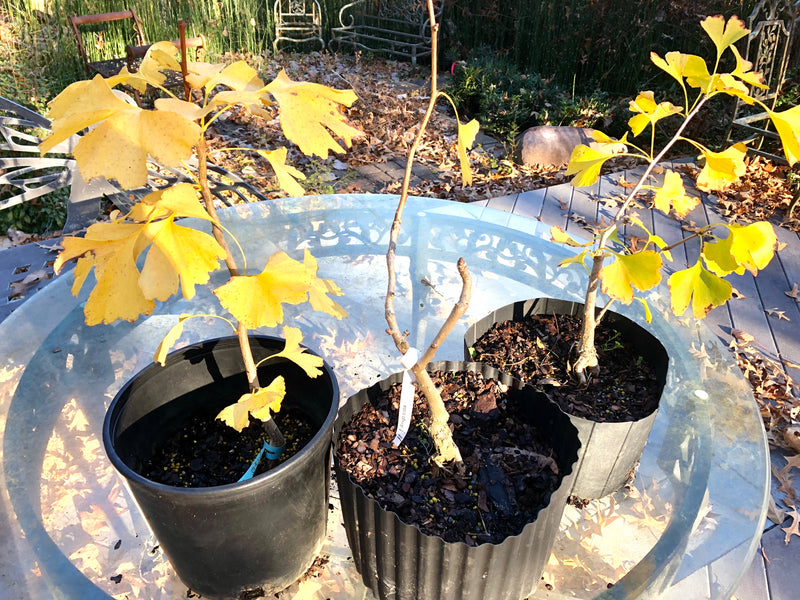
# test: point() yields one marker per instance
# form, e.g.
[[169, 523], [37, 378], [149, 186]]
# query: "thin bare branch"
[[390, 315], [456, 313]]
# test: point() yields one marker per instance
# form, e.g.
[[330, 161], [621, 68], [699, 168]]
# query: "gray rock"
[[552, 145]]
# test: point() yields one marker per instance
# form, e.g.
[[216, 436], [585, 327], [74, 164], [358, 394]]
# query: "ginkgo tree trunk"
[[447, 451], [725, 247], [174, 257]]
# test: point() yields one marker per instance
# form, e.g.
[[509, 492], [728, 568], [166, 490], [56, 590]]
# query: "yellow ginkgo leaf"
[[117, 295], [190, 110], [320, 288], [649, 112], [251, 100], [648, 316], [659, 243], [255, 300], [466, 137], [141, 212], [119, 146], [168, 341], [672, 195], [585, 163], [309, 110], [287, 175], [111, 249], [722, 168], [696, 73], [752, 246], [728, 84], [241, 77], [202, 73], [98, 241], [743, 71], [178, 254], [701, 287], [672, 63], [258, 403], [83, 267], [246, 88], [78, 106], [160, 58], [719, 259], [680, 66], [181, 199], [787, 124], [577, 259], [137, 80], [641, 270], [724, 34], [310, 363], [559, 236]]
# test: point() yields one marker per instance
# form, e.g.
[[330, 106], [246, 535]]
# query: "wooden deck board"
[[556, 205], [529, 204], [582, 211]]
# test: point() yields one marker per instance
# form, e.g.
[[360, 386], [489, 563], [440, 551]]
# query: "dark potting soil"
[[509, 473], [206, 452], [541, 349]]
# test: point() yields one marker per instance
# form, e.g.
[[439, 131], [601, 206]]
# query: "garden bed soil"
[[509, 472], [205, 452], [540, 350]]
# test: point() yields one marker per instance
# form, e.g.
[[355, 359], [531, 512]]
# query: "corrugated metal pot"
[[609, 451], [398, 562], [262, 533]]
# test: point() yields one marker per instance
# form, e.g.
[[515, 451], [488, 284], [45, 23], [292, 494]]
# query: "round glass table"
[[692, 517]]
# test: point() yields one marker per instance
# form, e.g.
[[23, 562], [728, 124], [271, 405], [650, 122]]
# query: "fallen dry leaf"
[[18, 288], [794, 293], [794, 528], [778, 314]]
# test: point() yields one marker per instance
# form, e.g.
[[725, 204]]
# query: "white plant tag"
[[408, 360]]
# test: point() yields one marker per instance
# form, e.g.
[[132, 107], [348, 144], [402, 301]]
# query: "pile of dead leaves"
[[764, 193], [393, 97], [774, 391]]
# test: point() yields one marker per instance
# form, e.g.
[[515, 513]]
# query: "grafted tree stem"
[[447, 451]]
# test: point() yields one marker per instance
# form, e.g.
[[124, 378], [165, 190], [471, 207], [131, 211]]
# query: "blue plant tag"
[[273, 453]]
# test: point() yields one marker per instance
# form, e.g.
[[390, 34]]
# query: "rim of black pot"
[[300, 456], [499, 376]]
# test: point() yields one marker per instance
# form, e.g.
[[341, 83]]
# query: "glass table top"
[[71, 530]]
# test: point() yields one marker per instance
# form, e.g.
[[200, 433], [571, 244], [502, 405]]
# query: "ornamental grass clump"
[[725, 247], [146, 255]]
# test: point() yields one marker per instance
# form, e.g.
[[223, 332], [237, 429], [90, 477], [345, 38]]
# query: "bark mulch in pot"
[[540, 350], [509, 473]]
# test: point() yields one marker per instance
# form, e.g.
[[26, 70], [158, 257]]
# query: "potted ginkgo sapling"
[[257, 518], [431, 474], [602, 406]]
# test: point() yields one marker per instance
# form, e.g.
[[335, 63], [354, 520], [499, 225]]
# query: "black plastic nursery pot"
[[262, 533], [610, 451], [399, 562]]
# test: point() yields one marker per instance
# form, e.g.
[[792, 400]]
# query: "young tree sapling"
[[123, 137], [446, 449], [726, 247]]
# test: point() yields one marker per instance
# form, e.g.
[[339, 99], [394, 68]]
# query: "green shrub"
[[507, 101], [42, 215]]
